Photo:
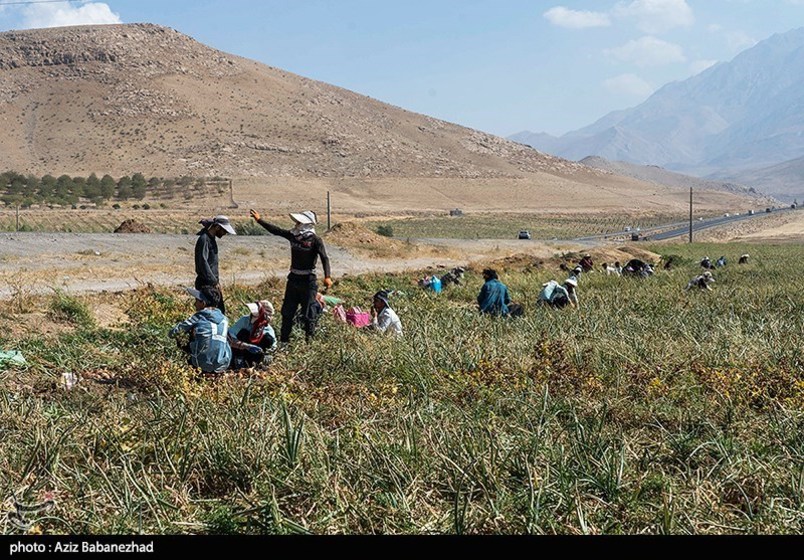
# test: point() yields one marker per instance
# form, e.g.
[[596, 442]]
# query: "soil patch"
[[35, 324], [109, 316], [132, 226]]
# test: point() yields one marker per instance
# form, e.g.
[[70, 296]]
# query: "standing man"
[[301, 289], [206, 254]]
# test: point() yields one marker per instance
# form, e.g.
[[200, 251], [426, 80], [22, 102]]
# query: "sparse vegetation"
[[70, 309], [506, 226], [649, 410], [385, 231]]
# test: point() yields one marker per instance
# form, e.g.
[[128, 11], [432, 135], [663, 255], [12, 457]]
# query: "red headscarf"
[[259, 324]]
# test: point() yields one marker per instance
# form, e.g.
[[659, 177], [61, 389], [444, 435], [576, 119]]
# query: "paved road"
[[698, 226], [678, 229]]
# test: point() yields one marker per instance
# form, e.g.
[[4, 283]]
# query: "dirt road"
[[85, 263]]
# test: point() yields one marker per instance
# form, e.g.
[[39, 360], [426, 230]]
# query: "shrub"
[[386, 231], [67, 308], [249, 228]]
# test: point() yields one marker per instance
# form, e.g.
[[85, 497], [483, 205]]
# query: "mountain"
[[660, 176], [122, 98], [784, 180], [741, 115]]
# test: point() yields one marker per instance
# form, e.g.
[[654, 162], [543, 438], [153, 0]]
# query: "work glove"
[[328, 282], [254, 350], [255, 214]]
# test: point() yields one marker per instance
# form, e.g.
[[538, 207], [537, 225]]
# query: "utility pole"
[[329, 211], [17, 228], [690, 214], [233, 204]]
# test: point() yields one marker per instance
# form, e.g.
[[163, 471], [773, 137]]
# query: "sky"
[[501, 66]]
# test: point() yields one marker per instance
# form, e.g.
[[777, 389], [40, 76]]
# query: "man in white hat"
[[206, 254], [305, 249]]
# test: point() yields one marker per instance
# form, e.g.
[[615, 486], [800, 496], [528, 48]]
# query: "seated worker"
[[252, 336], [559, 296], [431, 283], [586, 263], [721, 262], [208, 328], [384, 319], [637, 268], [454, 276], [701, 281], [493, 298], [744, 259]]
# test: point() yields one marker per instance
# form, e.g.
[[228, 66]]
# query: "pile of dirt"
[[132, 226], [355, 236], [520, 261]]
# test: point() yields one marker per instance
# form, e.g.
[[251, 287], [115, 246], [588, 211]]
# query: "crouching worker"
[[556, 295], [384, 319], [208, 328], [701, 281], [493, 298], [252, 336], [454, 276]]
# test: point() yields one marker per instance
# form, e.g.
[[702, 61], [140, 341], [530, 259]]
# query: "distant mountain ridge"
[[660, 176], [732, 118]]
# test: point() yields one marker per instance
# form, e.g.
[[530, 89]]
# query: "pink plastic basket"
[[357, 317]]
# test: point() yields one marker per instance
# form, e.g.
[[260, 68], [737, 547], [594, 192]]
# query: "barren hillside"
[[124, 98], [113, 98]]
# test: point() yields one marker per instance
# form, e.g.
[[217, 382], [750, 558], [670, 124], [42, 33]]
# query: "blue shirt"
[[209, 346], [494, 298]]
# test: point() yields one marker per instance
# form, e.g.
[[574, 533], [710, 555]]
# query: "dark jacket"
[[304, 251], [206, 260]]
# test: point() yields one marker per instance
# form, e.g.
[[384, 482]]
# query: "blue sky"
[[497, 65]]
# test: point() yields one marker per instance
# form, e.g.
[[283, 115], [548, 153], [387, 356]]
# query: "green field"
[[507, 226], [649, 410]]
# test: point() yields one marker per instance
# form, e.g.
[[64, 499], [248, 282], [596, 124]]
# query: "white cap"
[[223, 221], [306, 217], [254, 308]]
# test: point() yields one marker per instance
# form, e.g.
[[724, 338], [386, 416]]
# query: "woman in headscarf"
[[302, 286], [252, 336]]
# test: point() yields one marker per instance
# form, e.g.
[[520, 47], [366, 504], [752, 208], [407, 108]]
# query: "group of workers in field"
[[214, 346]]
